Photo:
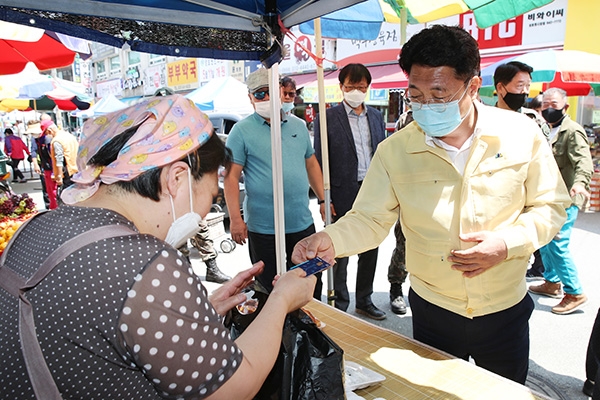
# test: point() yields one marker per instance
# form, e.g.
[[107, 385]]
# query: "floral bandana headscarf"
[[168, 128]]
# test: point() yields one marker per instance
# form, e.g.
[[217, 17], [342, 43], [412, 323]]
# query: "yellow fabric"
[[13, 104], [425, 11], [511, 186], [69, 144]]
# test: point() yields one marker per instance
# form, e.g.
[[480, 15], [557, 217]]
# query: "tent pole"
[[324, 146], [277, 169]]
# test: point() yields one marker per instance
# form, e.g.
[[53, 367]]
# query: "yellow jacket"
[[69, 145], [511, 186]]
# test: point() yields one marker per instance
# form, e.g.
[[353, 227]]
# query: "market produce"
[[14, 210]]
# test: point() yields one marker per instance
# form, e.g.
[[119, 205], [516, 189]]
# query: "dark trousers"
[[262, 248], [397, 272], [17, 174], [537, 268], [367, 262], [592, 359], [498, 342]]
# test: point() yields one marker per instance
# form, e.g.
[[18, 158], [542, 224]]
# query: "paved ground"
[[558, 343]]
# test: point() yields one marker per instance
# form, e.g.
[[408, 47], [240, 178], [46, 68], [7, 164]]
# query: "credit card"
[[313, 266]]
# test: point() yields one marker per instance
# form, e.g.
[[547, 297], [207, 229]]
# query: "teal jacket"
[[572, 153]]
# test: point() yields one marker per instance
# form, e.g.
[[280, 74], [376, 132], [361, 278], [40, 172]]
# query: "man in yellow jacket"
[[63, 151], [476, 190]]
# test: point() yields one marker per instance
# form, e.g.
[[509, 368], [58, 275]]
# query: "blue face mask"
[[287, 107], [439, 119]]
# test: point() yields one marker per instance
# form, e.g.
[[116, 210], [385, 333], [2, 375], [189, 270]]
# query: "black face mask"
[[552, 115], [514, 100]]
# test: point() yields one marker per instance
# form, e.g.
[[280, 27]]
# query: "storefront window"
[[134, 58], [100, 67], [115, 64]]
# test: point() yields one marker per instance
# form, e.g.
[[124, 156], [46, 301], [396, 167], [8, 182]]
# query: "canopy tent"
[[233, 29], [105, 105], [225, 94]]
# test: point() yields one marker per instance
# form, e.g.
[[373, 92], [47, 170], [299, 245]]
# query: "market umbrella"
[[577, 72], [44, 103], [20, 45], [487, 12]]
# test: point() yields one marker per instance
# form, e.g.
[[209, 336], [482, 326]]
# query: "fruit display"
[[14, 210]]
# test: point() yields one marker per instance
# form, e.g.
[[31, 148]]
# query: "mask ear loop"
[[189, 171], [172, 207]]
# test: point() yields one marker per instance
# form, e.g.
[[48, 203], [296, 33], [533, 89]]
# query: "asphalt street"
[[558, 342]]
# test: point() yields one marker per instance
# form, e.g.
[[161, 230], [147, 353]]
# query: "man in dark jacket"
[[354, 130]]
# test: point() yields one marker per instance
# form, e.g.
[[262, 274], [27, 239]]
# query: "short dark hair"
[[536, 102], [355, 73], [506, 72], [8, 131], [287, 81], [442, 46], [206, 159]]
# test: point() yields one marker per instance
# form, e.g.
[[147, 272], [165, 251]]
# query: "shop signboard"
[[182, 74], [209, 69], [106, 88], [155, 77]]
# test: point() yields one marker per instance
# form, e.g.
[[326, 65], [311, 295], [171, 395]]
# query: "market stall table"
[[412, 370]]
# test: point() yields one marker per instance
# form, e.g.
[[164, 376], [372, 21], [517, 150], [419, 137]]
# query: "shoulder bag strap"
[[41, 379]]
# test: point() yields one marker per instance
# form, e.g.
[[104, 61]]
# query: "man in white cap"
[[250, 143]]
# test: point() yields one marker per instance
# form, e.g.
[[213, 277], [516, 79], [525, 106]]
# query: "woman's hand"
[[293, 288], [229, 294]]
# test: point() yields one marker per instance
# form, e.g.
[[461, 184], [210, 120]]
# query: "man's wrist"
[[322, 201]]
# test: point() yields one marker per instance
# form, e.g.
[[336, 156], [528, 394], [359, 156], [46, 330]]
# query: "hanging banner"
[[297, 59]]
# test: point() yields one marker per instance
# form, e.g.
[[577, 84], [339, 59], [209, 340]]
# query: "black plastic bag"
[[310, 365]]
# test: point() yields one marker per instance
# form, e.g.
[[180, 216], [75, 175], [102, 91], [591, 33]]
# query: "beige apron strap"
[[42, 382]]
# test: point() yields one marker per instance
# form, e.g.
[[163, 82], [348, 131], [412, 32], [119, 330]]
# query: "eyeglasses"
[[261, 94], [361, 88], [288, 94], [415, 99]]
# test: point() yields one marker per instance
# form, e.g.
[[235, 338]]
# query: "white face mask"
[[263, 108], [185, 226], [354, 98]]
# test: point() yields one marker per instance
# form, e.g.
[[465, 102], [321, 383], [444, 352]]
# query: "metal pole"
[[324, 147]]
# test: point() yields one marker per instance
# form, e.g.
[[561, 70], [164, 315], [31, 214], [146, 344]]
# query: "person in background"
[[536, 103], [354, 130], [63, 152], [125, 317], [397, 272], [42, 162], [288, 94], [512, 81], [592, 362], [474, 199], [250, 144], [572, 154], [208, 255], [16, 149]]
